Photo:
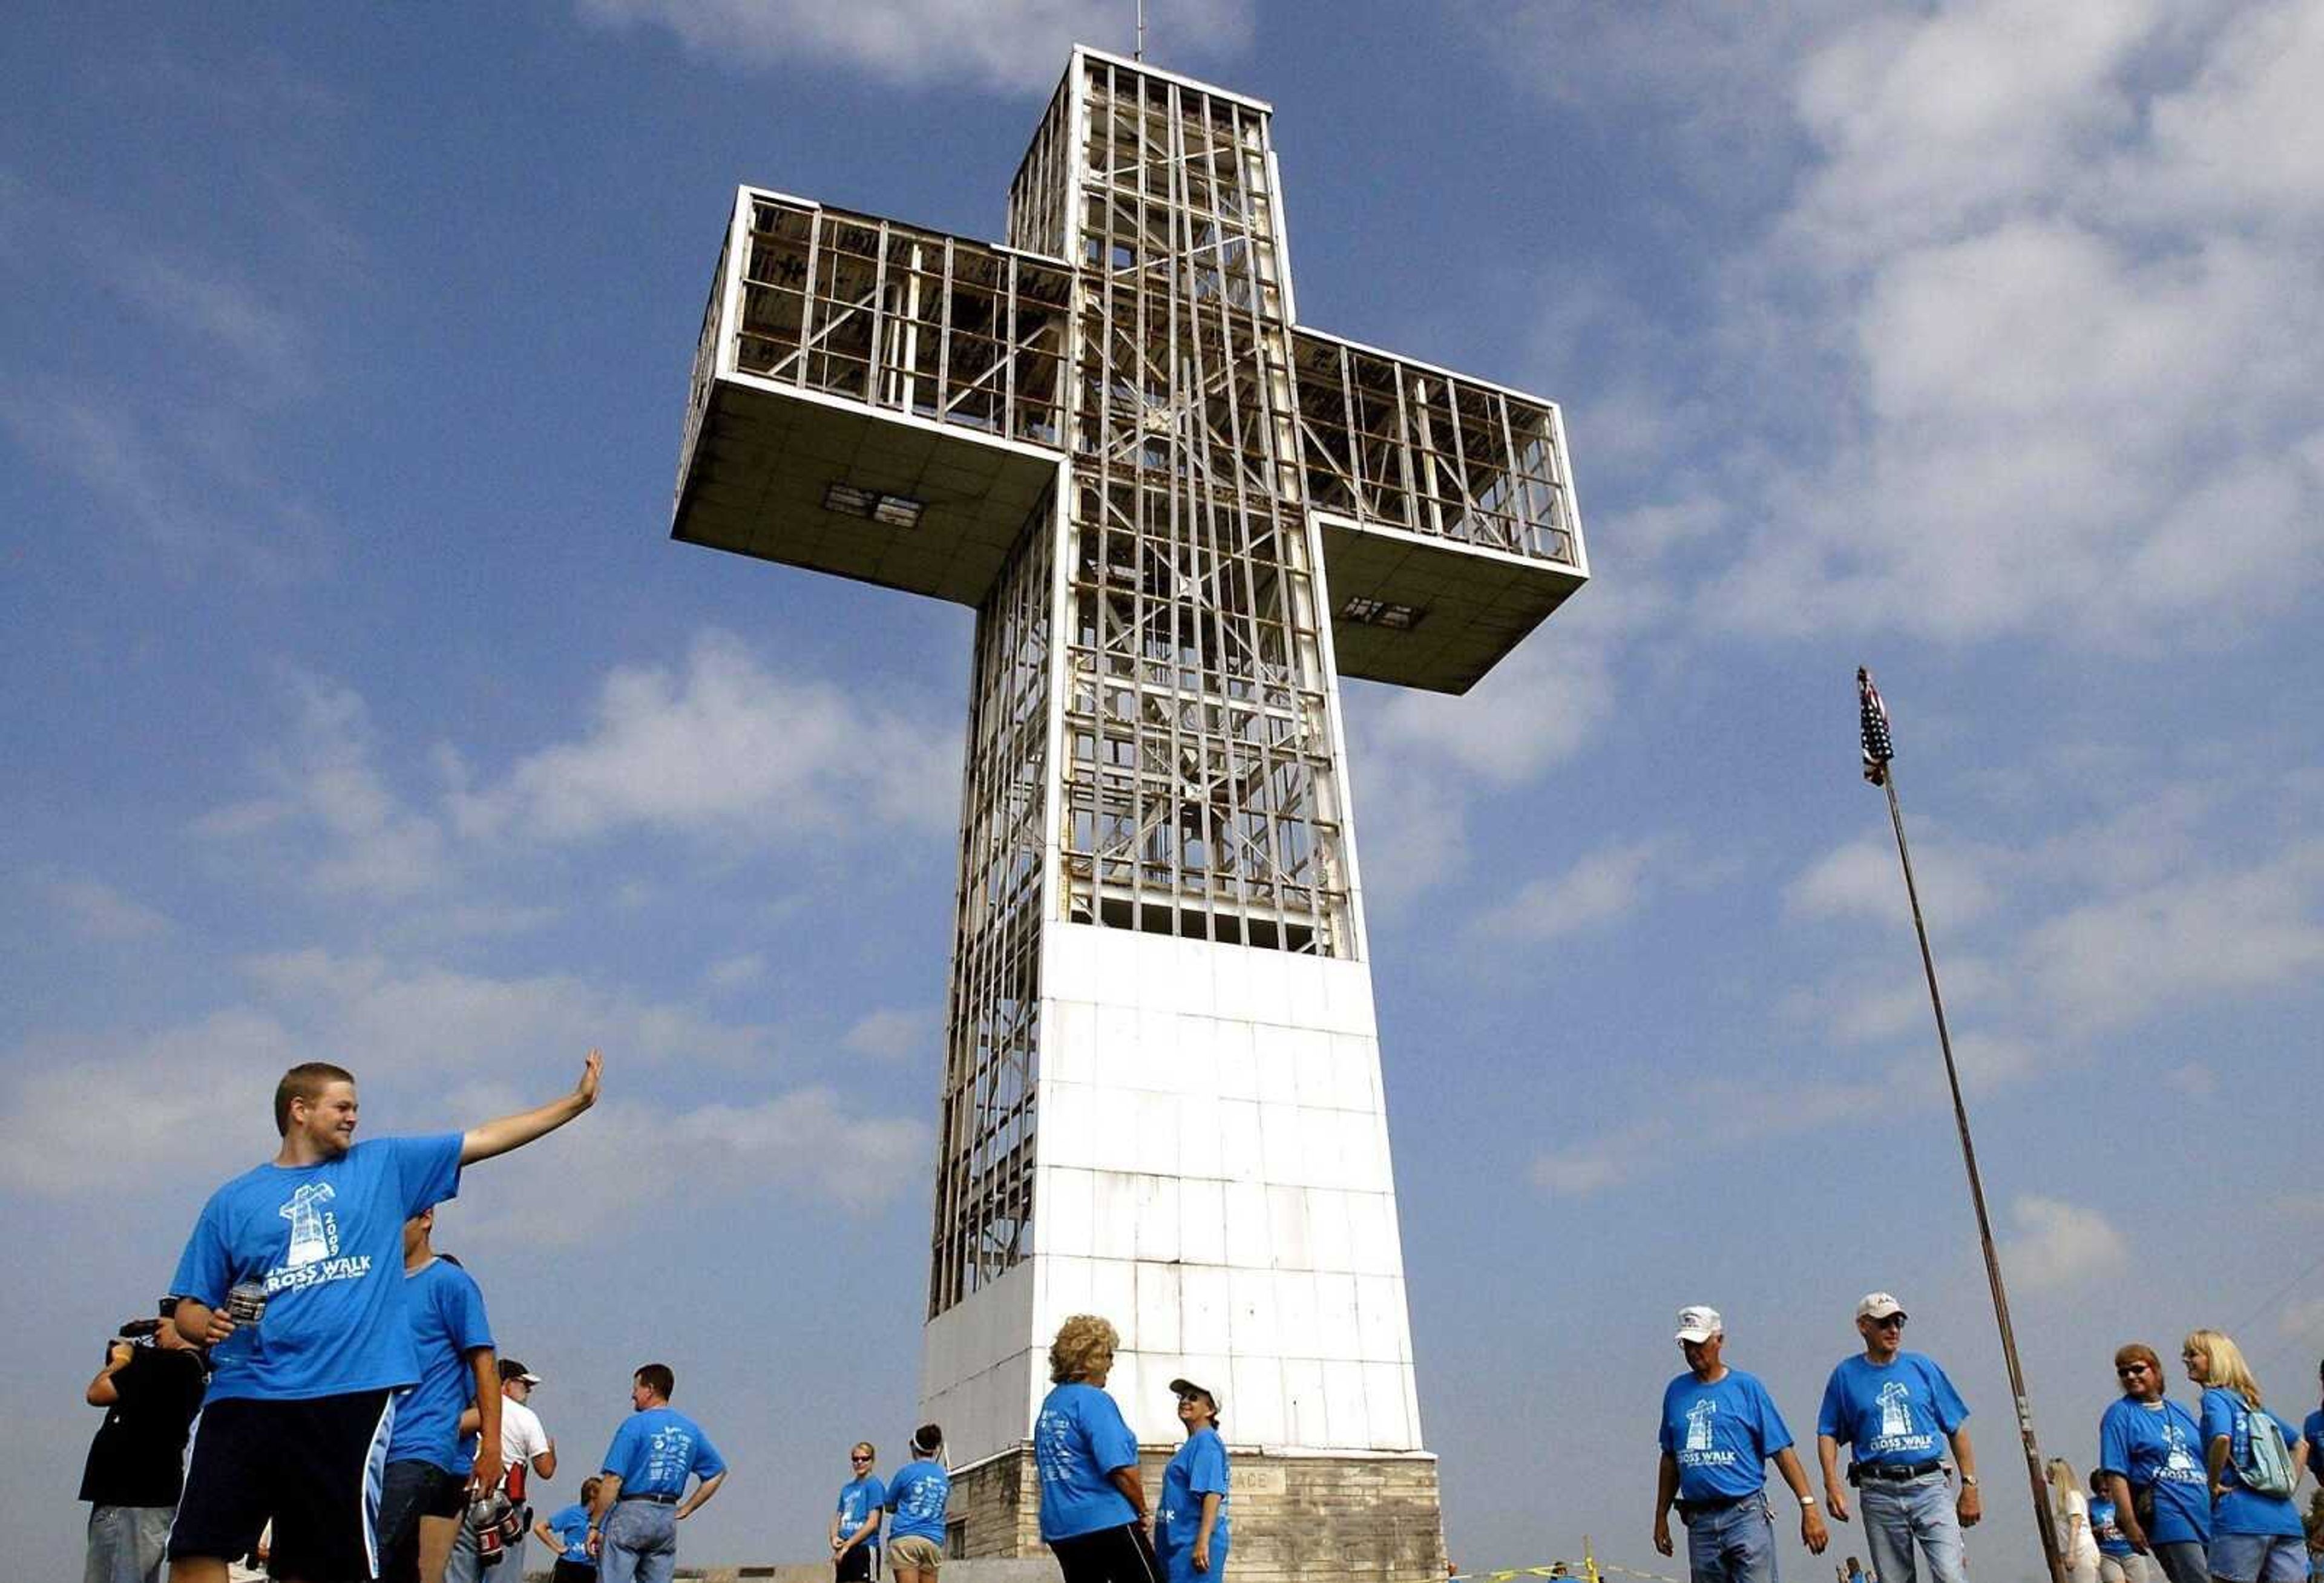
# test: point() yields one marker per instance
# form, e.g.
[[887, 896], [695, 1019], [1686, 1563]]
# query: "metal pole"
[[1140, 55], [2043, 1519]]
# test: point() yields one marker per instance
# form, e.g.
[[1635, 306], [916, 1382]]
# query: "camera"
[[141, 1331]]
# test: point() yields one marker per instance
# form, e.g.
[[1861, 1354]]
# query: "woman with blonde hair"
[[1093, 1504], [2256, 1532], [2070, 1509]]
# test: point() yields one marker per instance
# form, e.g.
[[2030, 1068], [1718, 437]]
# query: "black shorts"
[[858, 1565], [312, 1468], [1111, 1555], [568, 1571], [411, 1491]]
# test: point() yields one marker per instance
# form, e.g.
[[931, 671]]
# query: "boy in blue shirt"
[[1898, 1413], [566, 1532], [641, 1492], [855, 1521], [294, 1279], [2151, 1448], [1719, 1427], [431, 1466]]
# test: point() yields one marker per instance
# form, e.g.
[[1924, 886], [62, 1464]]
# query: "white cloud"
[[1599, 887], [726, 749], [325, 778], [126, 1112], [1863, 880], [2110, 962], [433, 1019], [2058, 1245], [2193, 1079], [80, 1114], [1013, 44], [890, 1034], [734, 972], [1582, 1170], [94, 910], [2044, 292]]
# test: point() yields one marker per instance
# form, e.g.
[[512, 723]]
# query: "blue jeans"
[[2183, 1560], [2258, 1558], [125, 1543], [638, 1543], [1897, 1516], [1733, 1544]]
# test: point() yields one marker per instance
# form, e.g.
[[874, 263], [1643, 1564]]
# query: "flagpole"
[[1878, 754]]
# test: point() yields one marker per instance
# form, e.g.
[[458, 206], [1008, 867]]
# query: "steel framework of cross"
[[1180, 515]]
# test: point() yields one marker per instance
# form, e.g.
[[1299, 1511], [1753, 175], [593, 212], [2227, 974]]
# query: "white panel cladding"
[[977, 1362], [1214, 1178]]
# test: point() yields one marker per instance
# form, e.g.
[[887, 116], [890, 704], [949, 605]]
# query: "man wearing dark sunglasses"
[[2151, 1450], [855, 1522], [1898, 1413]]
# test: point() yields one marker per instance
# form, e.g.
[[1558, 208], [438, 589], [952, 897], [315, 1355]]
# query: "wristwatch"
[[1969, 1479]]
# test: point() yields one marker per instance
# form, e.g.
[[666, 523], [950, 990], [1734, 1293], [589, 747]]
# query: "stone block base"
[[1297, 1519]]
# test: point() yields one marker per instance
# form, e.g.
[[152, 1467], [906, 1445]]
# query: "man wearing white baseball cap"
[[1898, 1413], [1719, 1427]]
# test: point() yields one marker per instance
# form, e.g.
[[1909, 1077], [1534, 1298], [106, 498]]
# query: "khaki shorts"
[[912, 1550]]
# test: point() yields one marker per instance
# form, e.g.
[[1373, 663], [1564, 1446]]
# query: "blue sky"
[[361, 707]]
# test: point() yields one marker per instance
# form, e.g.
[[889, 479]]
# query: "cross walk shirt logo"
[[1698, 1424], [2178, 1465], [312, 1239], [313, 1256], [1895, 1409]]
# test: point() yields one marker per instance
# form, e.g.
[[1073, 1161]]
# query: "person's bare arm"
[[544, 1463], [609, 1490], [1126, 1481], [102, 1391], [1666, 1492], [701, 1495], [548, 1535], [1835, 1489], [513, 1132], [870, 1526], [201, 1323], [2216, 1460], [2126, 1512], [1812, 1533], [1202, 1530], [486, 1473], [1971, 1504]]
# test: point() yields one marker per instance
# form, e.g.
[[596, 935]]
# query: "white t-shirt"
[[521, 1437], [2074, 1525]]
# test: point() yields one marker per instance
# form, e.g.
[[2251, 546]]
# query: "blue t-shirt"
[[1898, 1413], [326, 1240], [571, 1524], [918, 1495], [2240, 1509], [448, 1323], [2106, 1528], [1199, 1469], [2160, 1447], [1078, 1440], [858, 1500], [1720, 1435], [654, 1451]]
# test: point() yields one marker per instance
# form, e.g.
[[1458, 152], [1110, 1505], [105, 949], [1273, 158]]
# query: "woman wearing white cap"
[[1191, 1527]]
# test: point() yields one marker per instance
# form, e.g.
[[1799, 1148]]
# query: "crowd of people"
[[321, 1395], [2177, 1496], [321, 1398]]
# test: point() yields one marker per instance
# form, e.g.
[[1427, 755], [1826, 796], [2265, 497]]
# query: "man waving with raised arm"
[[294, 1278]]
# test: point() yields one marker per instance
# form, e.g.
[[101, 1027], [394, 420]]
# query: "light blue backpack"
[[2263, 1461]]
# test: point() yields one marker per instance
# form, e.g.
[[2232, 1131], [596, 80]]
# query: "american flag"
[[1877, 749]]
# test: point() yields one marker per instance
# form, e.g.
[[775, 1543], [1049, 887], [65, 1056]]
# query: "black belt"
[[658, 1500], [1888, 1472], [1715, 1504]]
